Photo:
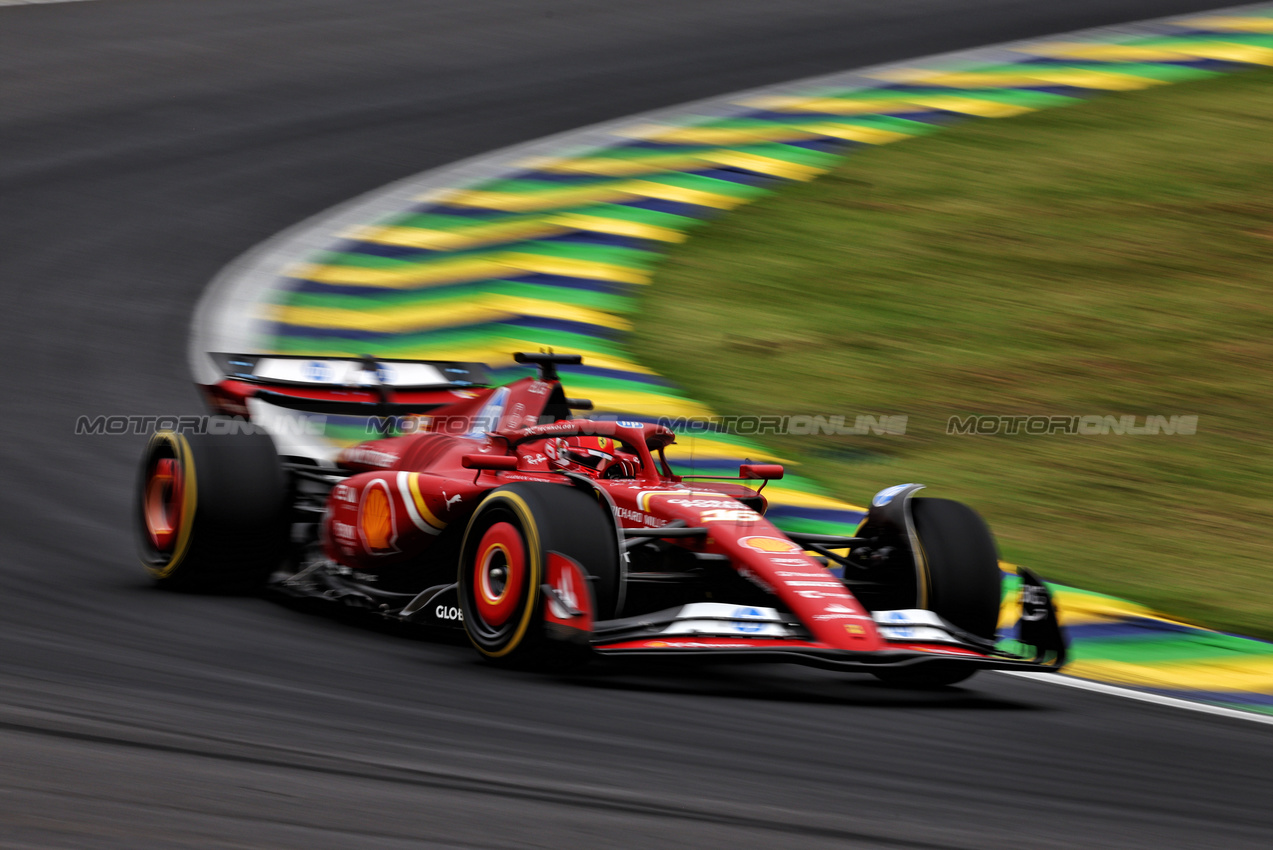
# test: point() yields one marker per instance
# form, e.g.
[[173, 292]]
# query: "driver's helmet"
[[598, 456], [580, 454]]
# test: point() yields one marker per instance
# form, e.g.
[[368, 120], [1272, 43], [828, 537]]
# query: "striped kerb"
[[552, 253]]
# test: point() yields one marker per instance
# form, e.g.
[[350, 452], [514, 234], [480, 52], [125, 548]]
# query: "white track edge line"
[[1142, 696]]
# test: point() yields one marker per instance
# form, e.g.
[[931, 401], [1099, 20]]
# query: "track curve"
[[144, 144]]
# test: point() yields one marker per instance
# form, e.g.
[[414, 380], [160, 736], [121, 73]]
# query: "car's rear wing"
[[299, 371], [369, 386]]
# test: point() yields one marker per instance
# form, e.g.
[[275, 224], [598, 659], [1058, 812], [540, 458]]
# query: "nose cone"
[[762, 553]]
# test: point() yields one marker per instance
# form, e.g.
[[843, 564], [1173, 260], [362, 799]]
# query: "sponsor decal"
[[888, 494], [735, 515], [344, 530], [628, 423], [452, 500], [637, 516], [318, 371], [385, 373], [644, 497], [448, 612], [792, 562], [813, 584], [909, 617], [376, 524], [363, 456], [1034, 603], [840, 611], [344, 493], [801, 574], [569, 428], [773, 545], [689, 498], [854, 629], [538, 388], [531, 476], [750, 575], [464, 393], [748, 621]]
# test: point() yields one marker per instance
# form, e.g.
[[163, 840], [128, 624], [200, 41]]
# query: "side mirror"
[[488, 462], [763, 471]]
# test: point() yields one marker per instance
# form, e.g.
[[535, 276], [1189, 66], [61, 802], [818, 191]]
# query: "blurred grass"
[[1107, 258]]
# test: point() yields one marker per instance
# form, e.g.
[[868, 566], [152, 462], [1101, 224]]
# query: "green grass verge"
[[1114, 257]]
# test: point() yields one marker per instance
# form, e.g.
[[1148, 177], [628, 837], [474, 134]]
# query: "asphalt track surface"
[[146, 143]]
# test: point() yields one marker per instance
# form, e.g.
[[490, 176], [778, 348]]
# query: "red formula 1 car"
[[548, 538]]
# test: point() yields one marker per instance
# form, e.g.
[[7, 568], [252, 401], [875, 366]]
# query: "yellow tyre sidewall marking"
[[924, 577], [189, 498]]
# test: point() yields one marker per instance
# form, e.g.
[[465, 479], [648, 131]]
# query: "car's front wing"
[[912, 638]]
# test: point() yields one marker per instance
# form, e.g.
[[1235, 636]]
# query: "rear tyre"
[[960, 563], [502, 567], [212, 511]]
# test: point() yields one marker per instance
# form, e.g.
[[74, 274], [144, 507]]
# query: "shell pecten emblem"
[[375, 519], [771, 545]]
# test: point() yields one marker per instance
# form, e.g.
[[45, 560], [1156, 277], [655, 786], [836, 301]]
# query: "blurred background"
[[145, 144]]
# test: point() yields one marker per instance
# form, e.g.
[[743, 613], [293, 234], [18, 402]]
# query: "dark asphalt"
[[146, 143]]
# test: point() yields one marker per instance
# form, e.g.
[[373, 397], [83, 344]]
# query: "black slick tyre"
[[211, 511], [961, 581], [502, 568]]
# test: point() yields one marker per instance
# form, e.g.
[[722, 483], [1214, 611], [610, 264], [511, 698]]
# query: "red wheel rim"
[[163, 503], [498, 572]]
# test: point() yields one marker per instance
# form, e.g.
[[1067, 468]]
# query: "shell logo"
[[375, 519], [772, 545]]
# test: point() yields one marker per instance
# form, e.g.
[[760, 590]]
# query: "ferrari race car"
[[549, 539]]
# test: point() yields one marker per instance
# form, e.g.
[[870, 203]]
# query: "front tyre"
[[962, 563], [212, 511], [502, 568], [960, 578]]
